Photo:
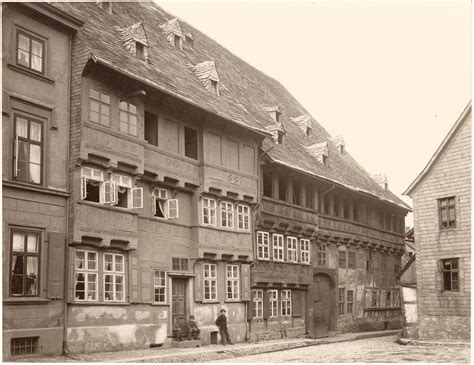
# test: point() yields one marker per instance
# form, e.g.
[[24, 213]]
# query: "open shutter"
[[266, 304], [109, 188], [297, 305], [56, 246], [245, 289], [198, 290], [15, 172], [134, 278], [172, 208], [137, 198], [146, 285], [153, 205], [83, 187], [70, 275]]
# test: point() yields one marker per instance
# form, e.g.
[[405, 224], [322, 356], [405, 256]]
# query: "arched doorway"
[[320, 322]]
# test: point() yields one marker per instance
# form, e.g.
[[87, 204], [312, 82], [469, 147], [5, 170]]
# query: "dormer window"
[[134, 39], [339, 143], [320, 152], [276, 116], [278, 133], [140, 50], [281, 136], [304, 124], [173, 32], [176, 41], [214, 86], [207, 73], [309, 131], [106, 5]]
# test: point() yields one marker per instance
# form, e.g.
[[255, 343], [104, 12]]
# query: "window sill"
[[107, 207], [160, 304], [101, 303], [210, 302], [232, 301], [33, 74], [26, 300], [39, 188]]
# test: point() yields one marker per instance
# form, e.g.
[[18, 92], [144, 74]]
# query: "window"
[[227, 214], [286, 302], [243, 217], [304, 250], [282, 188], [99, 107], [123, 194], [114, 277], [263, 245], [91, 189], [28, 150], [375, 298], [447, 212], [322, 254], [296, 193], [176, 40], [280, 137], [163, 207], [350, 301], [267, 185], [308, 131], [190, 143], [151, 128], [214, 87], [128, 116], [278, 249], [30, 52], [257, 298], [342, 300], [210, 281], [291, 249], [273, 302], [140, 50], [86, 276], [233, 283], [180, 264], [160, 286], [352, 260], [24, 346], [208, 211], [325, 205], [342, 259], [355, 216], [450, 274], [25, 263], [388, 298], [335, 206]]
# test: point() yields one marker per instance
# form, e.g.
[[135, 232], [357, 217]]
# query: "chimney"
[[381, 179]]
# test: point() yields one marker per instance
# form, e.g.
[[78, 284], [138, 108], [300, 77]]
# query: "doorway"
[[178, 301], [321, 306]]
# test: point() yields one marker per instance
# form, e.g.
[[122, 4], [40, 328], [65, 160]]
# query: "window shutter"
[[173, 208], [15, 172], [137, 198], [297, 304], [70, 276], [245, 283], [153, 205], [221, 284], [146, 285], [56, 246], [83, 187], [198, 289], [266, 304], [249, 310], [109, 192], [134, 278]]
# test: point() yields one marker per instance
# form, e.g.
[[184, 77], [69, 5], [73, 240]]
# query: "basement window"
[[24, 346]]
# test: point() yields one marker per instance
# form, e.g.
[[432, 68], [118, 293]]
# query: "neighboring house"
[[35, 133], [442, 210]]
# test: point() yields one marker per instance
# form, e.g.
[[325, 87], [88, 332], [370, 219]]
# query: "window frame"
[[84, 179], [278, 247], [209, 281], [286, 307], [264, 245], [128, 113], [243, 217], [25, 254], [114, 274], [86, 272], [341, 300], [350, 301], [101, 104], [341, 258], [451, 271], [305, 253], [257, 299], [273, 303], [322, 255], [447, 208], [160, 286], [226, 214], [351, 261], [209, 211], [31, 36], [160, 195], [291, 249], [30, 141], [232, 282]]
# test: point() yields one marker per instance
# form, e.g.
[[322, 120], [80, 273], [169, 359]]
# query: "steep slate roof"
[[453, 131], [245, 92]]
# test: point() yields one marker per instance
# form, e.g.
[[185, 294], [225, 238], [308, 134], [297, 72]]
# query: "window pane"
[[21, 127], [119, 263], [32, 243], [36, 48], [17, 265], [23, 42], [105, 110], [80, 260], [94, 94], [133, 130], [447, 280], [37, 63], [35, 153], [108, 262], [35, 173], [133, 120], [123, 105], [94, 106], [105, 98], [132, 109], [23, 58], [91, 260], [35, 131], [18, 242], [94, 116], [454, 264]]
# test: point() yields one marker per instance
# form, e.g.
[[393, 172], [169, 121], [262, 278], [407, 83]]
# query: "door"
[[321, 306], [178, 301]]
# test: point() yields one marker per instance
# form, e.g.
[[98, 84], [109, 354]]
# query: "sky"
[[391, 77]]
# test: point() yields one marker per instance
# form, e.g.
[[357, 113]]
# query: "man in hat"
[[221, 322]]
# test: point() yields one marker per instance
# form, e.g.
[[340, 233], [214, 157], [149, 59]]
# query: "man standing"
[[221, 322]]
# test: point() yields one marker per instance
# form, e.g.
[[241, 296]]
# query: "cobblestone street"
[[382, 349]]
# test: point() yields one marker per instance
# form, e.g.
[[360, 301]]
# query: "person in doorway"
[[221, 322], [177, 333], [192, 329]]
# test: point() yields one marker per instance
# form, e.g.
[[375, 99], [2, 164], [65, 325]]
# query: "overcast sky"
[[391, 77]]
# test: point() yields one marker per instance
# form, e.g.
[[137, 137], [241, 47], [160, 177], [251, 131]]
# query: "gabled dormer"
[[278, 133], [134, 39], [320, 152], [207, 73], [105, 5], [381, 179], [274, 112], [304, 124], [173, 33], [338, 141]]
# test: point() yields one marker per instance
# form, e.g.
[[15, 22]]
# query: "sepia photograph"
[[236, 181]]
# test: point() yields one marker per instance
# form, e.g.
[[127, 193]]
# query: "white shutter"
[[137, 198], [153, 204], [109, 192], [172, 208], [83, 187], [15, 173]]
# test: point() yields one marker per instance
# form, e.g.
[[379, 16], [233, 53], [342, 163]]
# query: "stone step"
[[186, 344]]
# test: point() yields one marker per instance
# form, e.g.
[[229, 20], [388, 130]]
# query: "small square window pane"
[[133, 120], [37, 63], [133, 130], [105, 110], [104, 120], [108, 262], [94, 116], [132, 109], [119, 263], [35, 154], [23, 58], [32, 243], [94, 106], [91, 260], [105, 98], [123, 105], [80, 260], [32, 266], [94, 94], [36, 48], [35, 131], [454, 264], [21, 127], [123, 127], [18, 242], [23, 42], [35, 173]]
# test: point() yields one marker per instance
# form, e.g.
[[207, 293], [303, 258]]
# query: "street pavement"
[[384, 349]]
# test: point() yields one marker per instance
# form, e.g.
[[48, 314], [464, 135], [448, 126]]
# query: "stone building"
[[442, 213], [198, 183], [35, 129]]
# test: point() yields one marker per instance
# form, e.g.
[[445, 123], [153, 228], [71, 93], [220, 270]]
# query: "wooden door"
[[321, 306], [178, 301]]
